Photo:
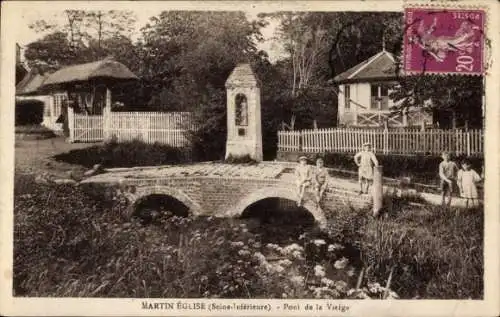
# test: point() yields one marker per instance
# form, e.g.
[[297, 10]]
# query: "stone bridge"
[[221, 190]]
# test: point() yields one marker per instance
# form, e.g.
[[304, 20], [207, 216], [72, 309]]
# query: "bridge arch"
[[275, 192], [142, 193]]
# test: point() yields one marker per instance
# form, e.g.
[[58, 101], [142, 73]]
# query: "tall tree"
[[86, 33], [108, 24]]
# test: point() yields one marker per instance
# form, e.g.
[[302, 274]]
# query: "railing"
[[432, 141], [150, 127]]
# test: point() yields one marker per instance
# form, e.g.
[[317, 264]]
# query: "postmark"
[[444, 40]]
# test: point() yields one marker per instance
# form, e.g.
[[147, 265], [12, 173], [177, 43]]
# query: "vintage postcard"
[[239, 158]]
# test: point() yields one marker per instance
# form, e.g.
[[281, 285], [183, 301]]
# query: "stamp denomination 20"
[[447, 41]]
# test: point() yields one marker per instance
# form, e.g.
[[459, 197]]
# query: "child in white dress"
[[365, 160], [467, 179]]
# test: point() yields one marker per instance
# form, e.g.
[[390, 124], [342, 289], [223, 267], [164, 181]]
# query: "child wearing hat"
[[467, 179], [365, 160], [303, 175]]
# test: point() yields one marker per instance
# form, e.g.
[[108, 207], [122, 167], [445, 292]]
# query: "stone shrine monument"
[[244, 131]]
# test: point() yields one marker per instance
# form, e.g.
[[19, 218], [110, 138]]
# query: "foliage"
[[125, 154], [459, 94], [82, 37], [324, 44], [29, 112], [33, 129], [427, 248]]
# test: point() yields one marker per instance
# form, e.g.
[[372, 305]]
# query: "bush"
[[244, 159], [29, 112], [125, 154], [33, 131]]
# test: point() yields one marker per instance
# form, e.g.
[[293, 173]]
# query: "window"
[[59, 100], [384, 97], [347, 97], [374, 97], [241, 115], [379, 97]]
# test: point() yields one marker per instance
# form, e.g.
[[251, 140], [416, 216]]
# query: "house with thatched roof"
[[83, 87], [363, 98], [28, 92]]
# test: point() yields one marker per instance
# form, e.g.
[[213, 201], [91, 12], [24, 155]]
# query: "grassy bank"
[[68, 244]]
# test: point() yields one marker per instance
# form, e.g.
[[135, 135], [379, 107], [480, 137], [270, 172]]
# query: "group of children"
[[318, 177], [449, 174], [306, 176], [465, 178]]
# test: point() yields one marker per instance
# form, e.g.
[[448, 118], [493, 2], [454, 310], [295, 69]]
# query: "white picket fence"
[[167, 128], [415, 141]]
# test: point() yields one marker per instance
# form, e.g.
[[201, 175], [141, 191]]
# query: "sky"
[[27, 35]]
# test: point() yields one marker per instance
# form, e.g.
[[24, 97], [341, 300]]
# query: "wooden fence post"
[[377, 189], [301, 140], [71, 124], [468, 143], [106, 124]]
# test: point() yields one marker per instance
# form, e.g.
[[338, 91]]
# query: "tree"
[[81, 37], [109, 24], [456, 100], [188, 56]]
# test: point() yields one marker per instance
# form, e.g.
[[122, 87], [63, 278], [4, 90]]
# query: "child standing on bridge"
[[365, 160], [320, 180], [447, 173], [303, 175]]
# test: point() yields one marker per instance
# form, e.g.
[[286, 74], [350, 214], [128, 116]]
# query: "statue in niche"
[[241, 117]]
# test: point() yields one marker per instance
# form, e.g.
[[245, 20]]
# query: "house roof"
[[30, 84], [378, 67], [242, 75], [105, 68]]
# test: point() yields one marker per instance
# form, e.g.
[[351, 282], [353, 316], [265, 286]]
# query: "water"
[[271, 221]]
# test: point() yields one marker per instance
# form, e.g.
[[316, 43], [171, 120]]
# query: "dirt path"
[[35, 156]]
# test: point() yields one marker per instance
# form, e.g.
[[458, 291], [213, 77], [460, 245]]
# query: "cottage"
[[363, 98]]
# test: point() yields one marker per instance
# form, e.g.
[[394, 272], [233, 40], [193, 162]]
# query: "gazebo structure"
[[364, 90], [88, 87]]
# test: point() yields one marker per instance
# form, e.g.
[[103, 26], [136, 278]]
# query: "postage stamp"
[[444, 41]]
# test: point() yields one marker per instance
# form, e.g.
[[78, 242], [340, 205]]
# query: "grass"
[[433, 253], [125, 154], [69, 244]]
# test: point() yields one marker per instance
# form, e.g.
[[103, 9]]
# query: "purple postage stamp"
[[444, 41]]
